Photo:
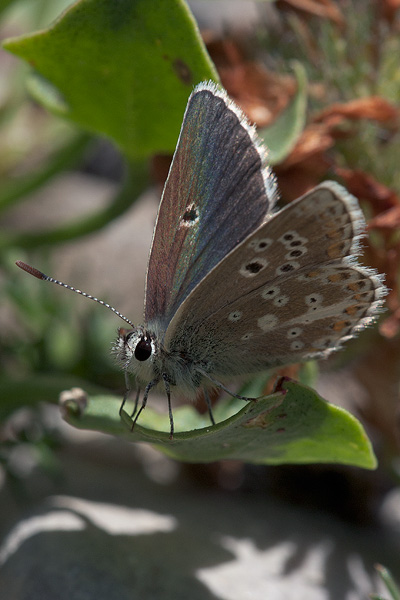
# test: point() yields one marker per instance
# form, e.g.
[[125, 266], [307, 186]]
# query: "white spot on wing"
[[313, 300], [297, 345], [234, 316], [247, 336], [294, 332], [268, 322], [260, 245], [281, 301], [270, 292]]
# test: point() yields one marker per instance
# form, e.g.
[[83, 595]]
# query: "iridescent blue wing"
[[218, 191]]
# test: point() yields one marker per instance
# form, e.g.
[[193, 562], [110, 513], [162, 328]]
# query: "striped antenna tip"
[[31, 270]]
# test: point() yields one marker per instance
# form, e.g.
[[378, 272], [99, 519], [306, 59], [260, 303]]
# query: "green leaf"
[[293, 425], [282, 135], [389, 582], [4, 4], [124, 69]]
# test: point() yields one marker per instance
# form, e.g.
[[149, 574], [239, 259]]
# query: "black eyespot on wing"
[[286, 268], [143, 349], [190, 215], [254, 267]]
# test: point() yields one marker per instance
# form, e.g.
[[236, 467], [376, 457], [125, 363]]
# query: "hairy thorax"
[[140, 352]]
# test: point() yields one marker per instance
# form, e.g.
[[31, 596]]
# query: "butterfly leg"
[[144, 401], [208, 402], [127, 392], [222, 387], [171, 418], [133, 413]]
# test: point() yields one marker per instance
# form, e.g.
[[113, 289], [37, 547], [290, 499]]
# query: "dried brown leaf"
[[365, 187], [321, 8], [372, 107], [389, 219], [307, 164], [389, 9], [315, 140], [260, 93]]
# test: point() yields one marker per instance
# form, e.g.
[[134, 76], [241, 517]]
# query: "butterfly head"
[[135, 349], [140, 351]]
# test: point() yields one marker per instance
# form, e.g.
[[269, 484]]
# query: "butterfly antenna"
[[40, 275]]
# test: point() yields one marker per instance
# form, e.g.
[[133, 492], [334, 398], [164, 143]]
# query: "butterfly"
[[234, 287]]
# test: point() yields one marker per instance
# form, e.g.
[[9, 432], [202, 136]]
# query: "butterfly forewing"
[[291, 290], [217, 192]]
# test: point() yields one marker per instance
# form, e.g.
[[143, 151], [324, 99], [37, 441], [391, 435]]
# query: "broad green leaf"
[[293, 425], [282, 135], [123, 69]]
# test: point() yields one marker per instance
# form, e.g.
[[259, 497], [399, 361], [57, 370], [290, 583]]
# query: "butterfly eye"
[[143, 349]]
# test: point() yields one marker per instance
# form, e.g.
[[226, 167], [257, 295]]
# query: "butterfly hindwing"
[[273, 326], [217, 192], [291, 290]]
